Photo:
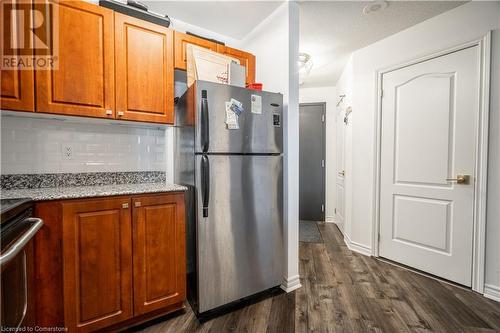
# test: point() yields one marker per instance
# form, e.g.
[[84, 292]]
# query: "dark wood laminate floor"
[[343, 291]]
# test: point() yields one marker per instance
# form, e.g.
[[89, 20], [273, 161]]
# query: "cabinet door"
[[246, 59], [97, 256], [159, 252], [181, 42], [17, 86], [83, 82], [144, 70]]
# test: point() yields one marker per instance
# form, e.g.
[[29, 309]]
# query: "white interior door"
[[429, 131], [340, 173]]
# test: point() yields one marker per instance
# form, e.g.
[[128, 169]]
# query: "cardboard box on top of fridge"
[[204, 64]]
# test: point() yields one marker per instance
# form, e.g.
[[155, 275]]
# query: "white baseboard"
[[356, 247], [492, 292], [330, 219], [290, 284]]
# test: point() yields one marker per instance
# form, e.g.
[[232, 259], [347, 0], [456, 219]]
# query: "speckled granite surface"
[[34, 181], [74, 192]]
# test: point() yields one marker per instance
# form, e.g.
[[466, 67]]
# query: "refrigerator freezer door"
[[240, 242], [258, 132]]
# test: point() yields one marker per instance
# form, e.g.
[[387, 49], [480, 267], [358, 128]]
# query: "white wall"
[[36, 145], [462, 24], [327, 95], [275, 44], [493, 208]]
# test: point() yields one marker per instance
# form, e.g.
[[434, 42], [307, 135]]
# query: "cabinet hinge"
[[322, 163], [322, 208], [335, 210], [379, 237], [381, 93], [323, 118]]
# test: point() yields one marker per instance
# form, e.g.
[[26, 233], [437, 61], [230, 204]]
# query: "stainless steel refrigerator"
[[235, 198]]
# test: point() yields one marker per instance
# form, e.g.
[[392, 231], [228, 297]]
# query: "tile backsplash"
[[32, 145]]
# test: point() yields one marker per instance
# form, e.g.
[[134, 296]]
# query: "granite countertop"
[[74, 192]]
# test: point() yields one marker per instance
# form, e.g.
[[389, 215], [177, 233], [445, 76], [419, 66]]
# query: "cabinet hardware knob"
[[137, 204], [125, 205], [109, 112]]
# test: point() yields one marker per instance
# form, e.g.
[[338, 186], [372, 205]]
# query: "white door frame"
[[481, 164]]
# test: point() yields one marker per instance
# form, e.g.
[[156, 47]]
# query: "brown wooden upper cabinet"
[[159, 252], [17, 86], [108, 65], [182, 40], [97, 256], [82, 84], [144, 58], [246, 59], [97, 46]]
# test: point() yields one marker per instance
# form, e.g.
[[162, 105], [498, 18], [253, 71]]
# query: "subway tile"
[[36, 146]]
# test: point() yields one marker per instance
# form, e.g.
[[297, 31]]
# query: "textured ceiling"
[[331, 30]]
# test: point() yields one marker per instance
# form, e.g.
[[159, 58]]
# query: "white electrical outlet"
[[67, 151]]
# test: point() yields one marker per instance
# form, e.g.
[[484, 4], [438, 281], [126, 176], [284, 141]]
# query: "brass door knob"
[[461, 179]]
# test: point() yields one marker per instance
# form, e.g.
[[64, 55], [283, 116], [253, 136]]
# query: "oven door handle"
[[21, 242]]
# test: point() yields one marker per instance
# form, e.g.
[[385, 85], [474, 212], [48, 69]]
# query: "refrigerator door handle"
[[204, 122], [205, 183]]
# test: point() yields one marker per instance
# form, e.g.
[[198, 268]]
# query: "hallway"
[[343, 291]]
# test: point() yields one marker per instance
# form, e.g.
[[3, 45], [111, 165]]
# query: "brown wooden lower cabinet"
[[158, 238], [123, 261], [97, 254]]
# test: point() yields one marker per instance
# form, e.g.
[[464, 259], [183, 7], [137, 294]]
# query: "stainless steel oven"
[[17, 229]]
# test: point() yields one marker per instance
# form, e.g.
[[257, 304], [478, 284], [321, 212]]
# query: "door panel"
[[312, 162], [159, 252], [257, 133], [244, 225], [97, 263], [83, 83], [418, 115], [429, 117], [144, 70], [17, 86]]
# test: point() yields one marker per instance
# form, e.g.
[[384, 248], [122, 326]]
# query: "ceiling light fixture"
[[375, 6], [305, 65]]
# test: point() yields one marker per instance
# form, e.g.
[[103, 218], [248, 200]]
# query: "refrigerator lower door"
[[240, 240]]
